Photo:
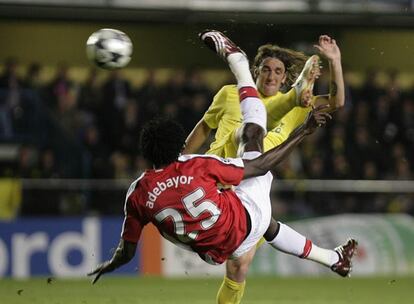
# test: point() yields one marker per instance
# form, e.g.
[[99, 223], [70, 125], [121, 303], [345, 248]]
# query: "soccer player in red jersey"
[[180, 195]]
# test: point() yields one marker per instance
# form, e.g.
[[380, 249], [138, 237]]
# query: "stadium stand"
[[67, 128]]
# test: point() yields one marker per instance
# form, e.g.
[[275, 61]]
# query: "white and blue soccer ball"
[[109, 49]]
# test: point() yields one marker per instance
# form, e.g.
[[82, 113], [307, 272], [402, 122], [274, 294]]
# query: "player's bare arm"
[[122, 255], [328, 48], [269, 160], [197, 137]]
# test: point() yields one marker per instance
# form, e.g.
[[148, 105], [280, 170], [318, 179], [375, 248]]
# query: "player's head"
[[162, 141], [275, 67]]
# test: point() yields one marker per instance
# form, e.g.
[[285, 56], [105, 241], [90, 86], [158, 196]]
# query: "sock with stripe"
[[252, 108], [292, 242]]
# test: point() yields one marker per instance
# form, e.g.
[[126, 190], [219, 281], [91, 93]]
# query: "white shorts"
[[254, 194]]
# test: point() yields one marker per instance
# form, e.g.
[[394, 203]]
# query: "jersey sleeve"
[[226, 171], [134, 222], [216, 109]]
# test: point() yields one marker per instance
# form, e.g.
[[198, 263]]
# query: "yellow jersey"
[[224, 115]]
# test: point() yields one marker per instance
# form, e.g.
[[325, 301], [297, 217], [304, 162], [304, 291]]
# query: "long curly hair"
[[293, 61], [161, 141]]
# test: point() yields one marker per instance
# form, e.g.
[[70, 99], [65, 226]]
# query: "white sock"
[[326, 257], [253, 111], [292, 242], [289, 241], [239, 65], [252, 108]]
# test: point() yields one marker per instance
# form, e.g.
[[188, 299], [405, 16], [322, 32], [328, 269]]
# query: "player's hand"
[[100, 270], [328, 48], [316, 118]]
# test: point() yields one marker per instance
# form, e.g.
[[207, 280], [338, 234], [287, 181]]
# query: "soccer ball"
[[109, 49]]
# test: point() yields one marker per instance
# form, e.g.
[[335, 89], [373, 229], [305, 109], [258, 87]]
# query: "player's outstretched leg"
[[250, 136], [283, 238], [345, 252], [306, 80]]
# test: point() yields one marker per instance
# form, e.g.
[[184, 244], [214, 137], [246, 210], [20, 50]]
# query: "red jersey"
[[183, 202]]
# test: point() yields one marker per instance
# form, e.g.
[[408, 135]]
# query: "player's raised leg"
[[306, 80], [251, 143], [253, 111], [301, 95]]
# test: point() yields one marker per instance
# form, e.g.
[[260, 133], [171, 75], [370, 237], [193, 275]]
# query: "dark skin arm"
[[123, 254], [269, 160]]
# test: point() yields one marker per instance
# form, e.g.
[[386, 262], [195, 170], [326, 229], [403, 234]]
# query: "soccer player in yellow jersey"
[[273, 68]]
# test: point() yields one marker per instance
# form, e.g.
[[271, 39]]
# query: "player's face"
[[271, 75]]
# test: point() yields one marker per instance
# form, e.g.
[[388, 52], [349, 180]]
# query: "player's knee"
[[272, 230], [236, 269], [252, 133], [238, 272]]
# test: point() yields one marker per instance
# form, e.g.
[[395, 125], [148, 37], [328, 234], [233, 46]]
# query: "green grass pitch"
[[128, 290]]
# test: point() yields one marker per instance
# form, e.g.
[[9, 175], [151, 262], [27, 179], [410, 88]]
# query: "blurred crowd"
[[68, 129], [99, 122]]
